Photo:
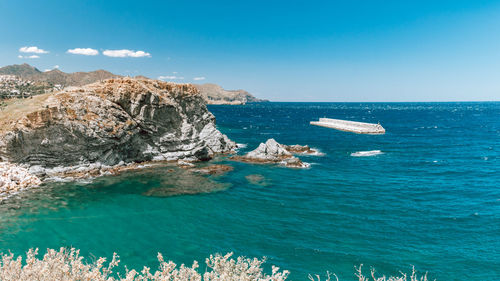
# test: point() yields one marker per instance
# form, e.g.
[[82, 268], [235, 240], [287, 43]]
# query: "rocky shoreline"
[[107, 126], [14, 179], [117, 125]]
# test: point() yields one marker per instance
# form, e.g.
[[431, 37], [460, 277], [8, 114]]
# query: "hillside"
[[215, 94], [55, 76], [12, 86], [43, 82], [21, 70]]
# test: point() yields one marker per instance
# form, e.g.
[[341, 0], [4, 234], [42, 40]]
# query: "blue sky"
[[280, 50]]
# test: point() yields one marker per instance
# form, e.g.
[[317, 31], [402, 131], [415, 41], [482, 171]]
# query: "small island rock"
[[272, 152]]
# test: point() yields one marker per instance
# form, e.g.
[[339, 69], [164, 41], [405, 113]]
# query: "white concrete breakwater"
[[350, 126]]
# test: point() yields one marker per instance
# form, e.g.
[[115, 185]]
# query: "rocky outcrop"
[[108, 123], [14, 179], [215, 94], [302, 149], [272, 152]]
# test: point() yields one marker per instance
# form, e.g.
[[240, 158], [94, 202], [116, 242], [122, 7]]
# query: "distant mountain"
[[215, 94], [20, 70], [55, 76], [56, 79]]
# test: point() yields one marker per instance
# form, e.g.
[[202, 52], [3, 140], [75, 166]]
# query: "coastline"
[[288, 214]]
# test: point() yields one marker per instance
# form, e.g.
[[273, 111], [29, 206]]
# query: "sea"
[[425, 194]]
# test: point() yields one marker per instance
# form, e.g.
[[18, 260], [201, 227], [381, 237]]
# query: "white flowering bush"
[[361, 277], [68, 265]]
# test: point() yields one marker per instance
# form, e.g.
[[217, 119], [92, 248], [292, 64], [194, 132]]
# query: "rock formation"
[[108, 123], [302, 149], [272, 152]]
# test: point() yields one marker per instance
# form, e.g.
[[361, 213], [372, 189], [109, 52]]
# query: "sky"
[[350, 51]]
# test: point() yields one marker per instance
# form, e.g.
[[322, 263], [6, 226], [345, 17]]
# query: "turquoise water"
[[432, 199]]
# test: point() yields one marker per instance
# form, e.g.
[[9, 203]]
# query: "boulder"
[[14, 179]]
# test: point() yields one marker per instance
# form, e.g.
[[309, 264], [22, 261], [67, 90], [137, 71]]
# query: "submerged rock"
[[216, 169], [108, 123], [257, 179], [272, 152], [185, 182]]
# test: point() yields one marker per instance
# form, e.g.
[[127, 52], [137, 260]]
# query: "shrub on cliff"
[[68, 265]]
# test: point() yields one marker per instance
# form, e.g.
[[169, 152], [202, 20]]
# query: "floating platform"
[[350, 126]]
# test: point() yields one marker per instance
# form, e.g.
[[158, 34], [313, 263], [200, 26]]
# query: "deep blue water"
[[432, 199]]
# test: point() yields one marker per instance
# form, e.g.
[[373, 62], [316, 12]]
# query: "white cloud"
[[199, 78], [125, 53], [32, 49], [83, 51], [28, 57], [170, 77]]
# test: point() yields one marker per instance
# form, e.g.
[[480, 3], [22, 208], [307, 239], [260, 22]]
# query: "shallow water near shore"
[[430, 198]]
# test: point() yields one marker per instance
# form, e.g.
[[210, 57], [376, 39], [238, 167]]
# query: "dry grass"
[[16, 109]]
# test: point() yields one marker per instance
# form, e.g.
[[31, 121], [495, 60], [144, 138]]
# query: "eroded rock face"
[[116, 121], [272, 152]]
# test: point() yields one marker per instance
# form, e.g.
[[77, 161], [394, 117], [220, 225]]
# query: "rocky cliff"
[[215, 94], [109, 122]]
